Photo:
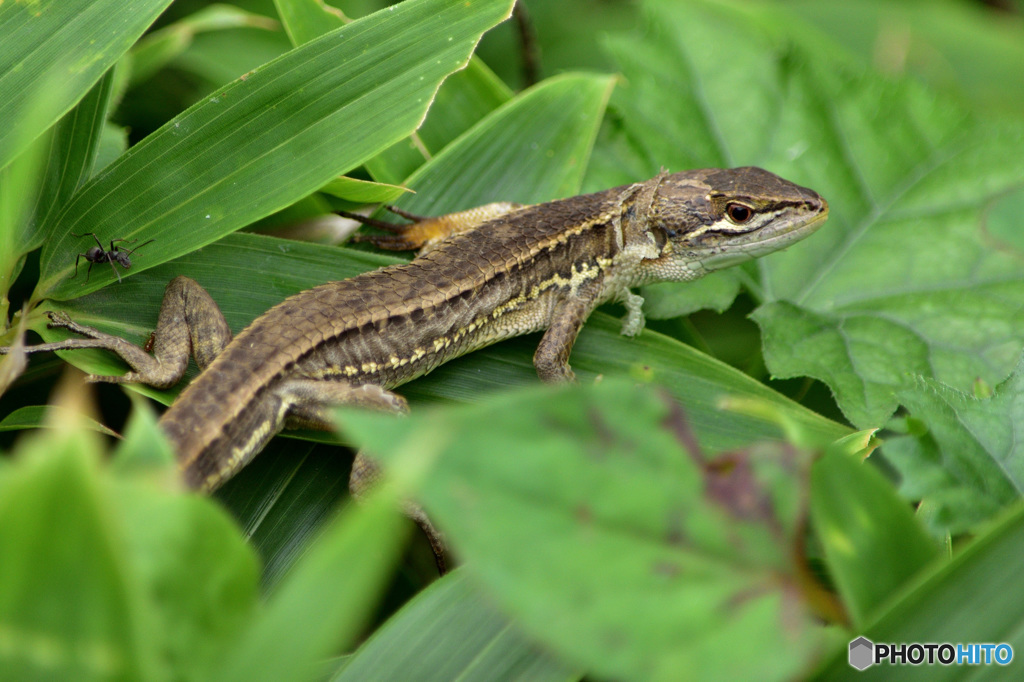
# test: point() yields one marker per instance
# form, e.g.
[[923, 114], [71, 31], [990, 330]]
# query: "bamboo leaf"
[[271, 137], [55, 41], [450, 631]]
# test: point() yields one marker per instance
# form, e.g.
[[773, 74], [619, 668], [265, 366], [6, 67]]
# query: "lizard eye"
[[738, 213]]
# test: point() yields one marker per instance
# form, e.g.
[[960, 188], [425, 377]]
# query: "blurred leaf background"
[[827, 435]]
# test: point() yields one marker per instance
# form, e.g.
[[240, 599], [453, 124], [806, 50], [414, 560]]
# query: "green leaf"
[[198, 571], [144, 450], [463, 99], [70, 604], [70, 43], [450, 631], [113, 576], [20, 188], [362, 191], [699, 382], [951, 45], [321, 604], [271, 137], [967, 463], [74, 146], [596, 519], [873, 543], [41, 416], [283, 500], [903, 279], [113, 143], [499, 159], [667, 300], [976, 597], [305, 20], [158, 48]]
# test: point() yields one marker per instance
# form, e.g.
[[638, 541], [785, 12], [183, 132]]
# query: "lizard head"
[[709, 219]]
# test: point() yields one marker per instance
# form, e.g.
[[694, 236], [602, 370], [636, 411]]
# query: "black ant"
[[115, 254]]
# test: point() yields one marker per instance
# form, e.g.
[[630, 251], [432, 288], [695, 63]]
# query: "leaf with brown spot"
[[647, 562]]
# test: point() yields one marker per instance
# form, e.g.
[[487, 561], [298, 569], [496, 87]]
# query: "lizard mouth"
[[754, 244]]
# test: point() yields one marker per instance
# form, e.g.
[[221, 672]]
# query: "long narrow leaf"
[[75, 41], [273, 136]]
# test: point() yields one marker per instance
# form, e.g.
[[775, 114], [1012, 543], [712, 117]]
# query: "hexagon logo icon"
[[862, 652]]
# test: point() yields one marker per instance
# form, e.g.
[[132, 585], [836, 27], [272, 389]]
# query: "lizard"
[[481, 276]]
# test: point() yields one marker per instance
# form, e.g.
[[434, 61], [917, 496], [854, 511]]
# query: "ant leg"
[[89, 234], [128, 253], [110, 259]]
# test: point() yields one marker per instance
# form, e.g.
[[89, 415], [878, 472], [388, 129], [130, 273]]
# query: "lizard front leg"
[[189, 322], [551, 358]]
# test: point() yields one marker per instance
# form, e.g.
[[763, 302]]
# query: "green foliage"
[[450, 631], [641, 527], [599, 522]]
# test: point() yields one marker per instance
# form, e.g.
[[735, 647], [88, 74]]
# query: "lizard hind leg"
[[425, 233], [311, 402], [189, 322]]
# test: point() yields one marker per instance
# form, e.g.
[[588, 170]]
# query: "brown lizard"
[[481, 276]]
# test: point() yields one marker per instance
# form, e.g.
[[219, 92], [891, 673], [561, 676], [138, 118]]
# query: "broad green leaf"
[[200, 574], [952, 45], [873, 543], [158, 48], [461, 102], [271, 137], [976, 597], [903, 279], [967, 463], [72, 43], [324, 600], [450, 631], [143, 450], [598, 521], [215, 58], [113, 573], [284, 499], [698, 381], [70, 600], [534, 148], [715, 291]]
